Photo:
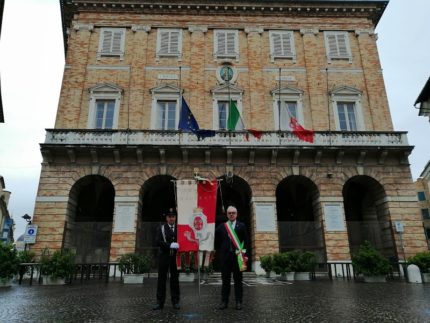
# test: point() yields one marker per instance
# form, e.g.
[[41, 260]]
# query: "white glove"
[[174, 245]]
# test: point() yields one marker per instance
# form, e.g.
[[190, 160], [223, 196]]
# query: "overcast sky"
[[32, 62]]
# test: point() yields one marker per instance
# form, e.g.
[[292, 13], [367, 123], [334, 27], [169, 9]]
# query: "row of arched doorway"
[[298, 213]]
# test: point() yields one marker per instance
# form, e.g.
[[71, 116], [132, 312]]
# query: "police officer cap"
[[170, 212]]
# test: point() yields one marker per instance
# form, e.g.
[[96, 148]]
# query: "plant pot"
[[186, 277], [48, 280], [133, 278], [5, 282], [290, 275], [426, 277], [269, 274], [302, 275], [375, 279]]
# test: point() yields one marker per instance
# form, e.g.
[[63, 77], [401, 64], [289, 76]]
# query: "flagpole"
[[328, 107], [279, 101], [180, 100]]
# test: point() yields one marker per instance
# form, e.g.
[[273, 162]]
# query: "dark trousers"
[[167, 263], [229, 266]]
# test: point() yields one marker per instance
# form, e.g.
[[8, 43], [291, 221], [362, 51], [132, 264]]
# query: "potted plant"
[[58, 267], [283, 264], [134, 266], [370, 263], [304, 264], [25, 257], [266, 263], [422, 260], [9, 264]]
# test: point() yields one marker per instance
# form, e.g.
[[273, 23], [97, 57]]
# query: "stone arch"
[[367, 214], [299, 216], [156, 196], [89, 218]]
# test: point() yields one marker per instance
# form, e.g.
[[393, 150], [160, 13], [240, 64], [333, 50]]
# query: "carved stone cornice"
[[145, 28], [360, 32], [193, 29], [77, 26], [258, 30], [309, 31]]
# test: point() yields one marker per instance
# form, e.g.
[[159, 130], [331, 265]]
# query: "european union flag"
[[187, 122]]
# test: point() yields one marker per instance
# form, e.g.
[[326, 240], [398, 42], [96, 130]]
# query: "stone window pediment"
[[105, 88], [287, 91], [167, 89], [346, 91], [226, 89]]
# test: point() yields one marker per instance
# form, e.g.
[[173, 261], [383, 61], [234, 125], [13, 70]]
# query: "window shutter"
[[116, 42], [277, 44], [220, 37], [231, 43], [286, 45], [164, 42], [174, 42], [107, 41], [342, 46], [332, 45]]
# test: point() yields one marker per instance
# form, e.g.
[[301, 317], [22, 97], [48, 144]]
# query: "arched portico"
[[89, 219], [299, 223], [367, 215]]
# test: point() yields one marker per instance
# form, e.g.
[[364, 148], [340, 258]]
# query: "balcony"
[[223, 139]]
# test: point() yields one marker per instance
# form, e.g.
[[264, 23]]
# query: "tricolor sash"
[[240, 252]]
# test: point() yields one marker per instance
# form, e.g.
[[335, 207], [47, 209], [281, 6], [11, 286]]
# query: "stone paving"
[[264, 301]]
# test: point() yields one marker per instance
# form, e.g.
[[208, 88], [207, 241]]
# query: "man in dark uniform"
[[166, 241], [228, 258]]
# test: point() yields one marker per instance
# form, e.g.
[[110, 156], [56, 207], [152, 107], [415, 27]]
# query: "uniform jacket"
[[164, 245]]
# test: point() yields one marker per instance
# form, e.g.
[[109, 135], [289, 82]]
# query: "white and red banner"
[[196, 214]]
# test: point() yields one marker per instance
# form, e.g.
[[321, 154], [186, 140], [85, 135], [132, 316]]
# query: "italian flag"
[[234, 120], [196, 214]]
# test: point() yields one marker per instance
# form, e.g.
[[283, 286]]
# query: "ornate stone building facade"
[[422, 186], [110, 161]]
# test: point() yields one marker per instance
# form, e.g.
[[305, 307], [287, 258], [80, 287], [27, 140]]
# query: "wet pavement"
[[264, 301]]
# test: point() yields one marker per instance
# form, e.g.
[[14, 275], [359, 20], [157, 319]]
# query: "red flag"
[[256, 133], [300, 132]]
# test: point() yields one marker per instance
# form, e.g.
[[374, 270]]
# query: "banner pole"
[[198, 264]]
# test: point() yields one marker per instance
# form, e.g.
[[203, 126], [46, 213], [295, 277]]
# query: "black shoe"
[[176, 306], [157, 307], [238, 305], [222, 306]]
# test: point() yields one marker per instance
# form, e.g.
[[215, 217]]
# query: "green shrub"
[[25, 256], [284, 262], [61, 264], [9, 262], [369, 262], [266, 263], [422, 260], [304, 261], [133, 263]]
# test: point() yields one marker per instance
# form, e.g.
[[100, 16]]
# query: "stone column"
[[316, 81], [374, 81], [265, 228], [194, 85], [257, 116], [124, 226]]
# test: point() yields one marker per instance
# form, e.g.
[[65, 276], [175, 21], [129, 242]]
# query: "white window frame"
[[110, 51], [282, 33], [287, 95], [164, 93], [346, 55], [103, 92], [348, 95], [227, 54], [169, 53], [225, 93]]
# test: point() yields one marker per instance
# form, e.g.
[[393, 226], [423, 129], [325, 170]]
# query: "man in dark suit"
[[166, 241], [228, 257]]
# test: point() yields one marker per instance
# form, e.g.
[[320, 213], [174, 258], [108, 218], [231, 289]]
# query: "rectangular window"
[[282, 44], [166, 115], [226, 43], [337, 45], [112, 42], [346, 115], [169, 42], [421, 196], [222, 114], [105, 110], [288, 110], [425, 214]]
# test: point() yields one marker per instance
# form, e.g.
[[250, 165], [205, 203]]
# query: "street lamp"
[[27, 218]]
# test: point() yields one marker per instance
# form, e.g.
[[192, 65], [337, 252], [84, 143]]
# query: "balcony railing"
[[221, 138]]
